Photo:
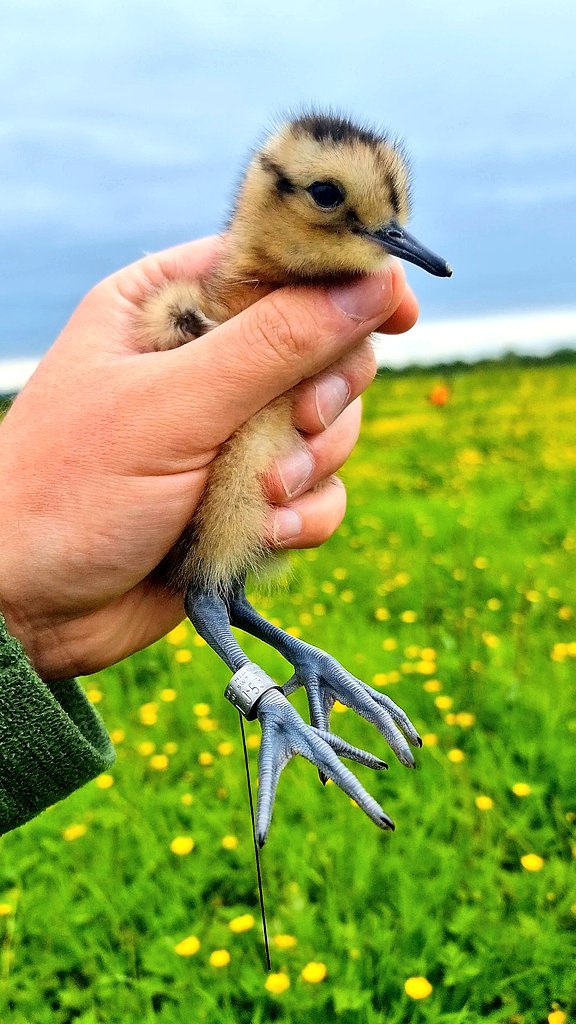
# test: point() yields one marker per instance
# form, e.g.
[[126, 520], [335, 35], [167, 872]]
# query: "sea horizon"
[[468, 339]]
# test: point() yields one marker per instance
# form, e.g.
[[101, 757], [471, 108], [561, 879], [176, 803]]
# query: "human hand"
[[105, 453]]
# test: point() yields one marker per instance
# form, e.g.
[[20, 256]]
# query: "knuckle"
[[281, 330]]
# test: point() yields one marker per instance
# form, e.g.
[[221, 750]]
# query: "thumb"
[[286, 337]]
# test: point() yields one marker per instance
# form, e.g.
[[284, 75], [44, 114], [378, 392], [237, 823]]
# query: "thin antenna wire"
[[256, 850]]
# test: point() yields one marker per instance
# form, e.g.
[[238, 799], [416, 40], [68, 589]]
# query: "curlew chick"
[[322, 198]]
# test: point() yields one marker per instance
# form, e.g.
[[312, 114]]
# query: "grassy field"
[[452, 586]]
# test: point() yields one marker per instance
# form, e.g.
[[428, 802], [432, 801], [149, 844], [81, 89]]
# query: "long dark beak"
[[396, 240]]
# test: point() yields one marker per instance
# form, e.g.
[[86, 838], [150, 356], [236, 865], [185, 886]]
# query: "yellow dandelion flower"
[[74, 832], [340, 573], [183, 656], [339, 708], [565, 613], [557, 1017], [201, 710], [389, 644], [207, 724], [230, 842], [219, 958], [105, 781], [429, 739], [148, 713], [484, 803], [490, 639], [285, 941], [305, 619], [532, 862], [187, 799], [253, 741], [412, 651], [409, 616], [205, 758], [168, 695], [181, 845], [480, 562], [417, 988], [6, 909], [348, 596], [117, 735], [532, 596], [521, 789], [225, 748], [402, 579], [443, 702], [170, 747], [318, 608], [327, 587], [465, 719], [177, 635], [381, 614], [394, 676], [450, 718], [380, 679], [276, 983], [243, 923], [146, 748], [494, 604], [188, 946], [426, 668], [456, 756], [314, 972], [428, 654], [94, 696], [159, 762], [432, 686]]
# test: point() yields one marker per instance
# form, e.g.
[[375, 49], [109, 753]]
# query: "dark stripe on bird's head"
[[283, 184], [334, 128]]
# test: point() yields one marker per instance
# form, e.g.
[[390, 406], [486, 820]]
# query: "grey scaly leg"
[[284, 733]]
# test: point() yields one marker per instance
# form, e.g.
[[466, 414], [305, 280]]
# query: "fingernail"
[[294, 470], [287, 525], [366, 298], [332, 393]]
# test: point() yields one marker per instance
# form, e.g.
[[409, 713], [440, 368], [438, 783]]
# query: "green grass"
[[463, 516]]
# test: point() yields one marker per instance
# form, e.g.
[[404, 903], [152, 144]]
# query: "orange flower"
[[439, 395]]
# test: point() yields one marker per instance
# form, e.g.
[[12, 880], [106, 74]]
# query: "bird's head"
[[325, 197]]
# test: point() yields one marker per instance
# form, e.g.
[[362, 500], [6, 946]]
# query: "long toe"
[[285, 734]]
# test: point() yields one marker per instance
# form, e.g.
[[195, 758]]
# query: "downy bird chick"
[[322, 198]]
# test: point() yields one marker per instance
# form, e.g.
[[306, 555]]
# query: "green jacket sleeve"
[[52, 740]]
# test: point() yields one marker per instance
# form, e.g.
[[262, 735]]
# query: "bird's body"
[[322, 199]]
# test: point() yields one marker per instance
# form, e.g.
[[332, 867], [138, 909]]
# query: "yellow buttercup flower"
[[94, 696], [146, 748], [484, 803], [429, 739], [443, 702], [74, 832], [277, 983], [557, 1017], [104, 781], [182, 845], [183, 656], [456, 756], [432, 686], [225, 748], [177, 635], [409, 616], [230, 842], [417, 988], [188, 946], [521, 789], [201, 710], [241, 924], [532, 862], [117, 735], [159, 762], [205, 758], [6, 909], [219, 958], [168, 695], [314, 972], [285, 941]]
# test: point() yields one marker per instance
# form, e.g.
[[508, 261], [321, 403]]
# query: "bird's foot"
[[326, 681], [285, 734]]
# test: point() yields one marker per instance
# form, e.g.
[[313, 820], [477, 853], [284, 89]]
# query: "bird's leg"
[[326, 681], [284, 733]]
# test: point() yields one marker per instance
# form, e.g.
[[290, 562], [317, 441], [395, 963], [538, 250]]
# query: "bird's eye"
[[326, 194]]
